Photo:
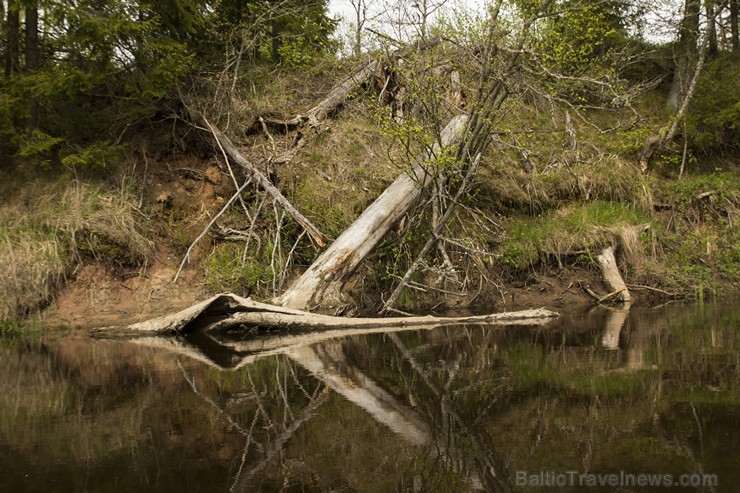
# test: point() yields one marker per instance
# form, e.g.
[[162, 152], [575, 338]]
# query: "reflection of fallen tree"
[[234, 350], [216, 332], [327, 362]]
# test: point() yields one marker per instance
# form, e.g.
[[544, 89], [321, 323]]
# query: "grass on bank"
[[580, 232], [700, 237], [48, 229]]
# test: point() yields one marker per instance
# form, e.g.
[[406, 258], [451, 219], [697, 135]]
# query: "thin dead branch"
[[266, 185], [233, 198]]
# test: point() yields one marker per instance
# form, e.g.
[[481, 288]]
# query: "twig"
[[226, 160], [213, 221], [224, 414], [650, 288], [267, 132], [610, 296], [590, 292], [266, 185], [284, 273], [413, 284]]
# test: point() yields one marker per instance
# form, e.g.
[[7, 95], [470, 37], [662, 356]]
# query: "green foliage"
[[713, 119], [228, 269], [37, 146], [109, 66], [722, 187], [578, 39], [308, 37], [702, 246], [99, 154]]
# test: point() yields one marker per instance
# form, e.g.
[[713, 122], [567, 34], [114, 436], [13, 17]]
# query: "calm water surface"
[[590, 398]]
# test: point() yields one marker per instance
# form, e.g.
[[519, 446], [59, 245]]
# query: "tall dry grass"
[[50, 228]]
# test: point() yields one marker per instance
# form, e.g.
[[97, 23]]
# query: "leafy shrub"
[[713, 120]]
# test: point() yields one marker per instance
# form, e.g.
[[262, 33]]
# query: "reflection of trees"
[[445, 437], [487, 464], [272, 424]]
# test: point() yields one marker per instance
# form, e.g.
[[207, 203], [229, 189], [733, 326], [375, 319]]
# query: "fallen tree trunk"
[[228, 310], [338, 94], [324, 108], [322, 282], [336, 98]]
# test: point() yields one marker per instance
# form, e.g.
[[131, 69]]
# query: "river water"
[[595, 401]]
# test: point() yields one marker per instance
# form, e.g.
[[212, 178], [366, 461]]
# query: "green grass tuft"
[[581, 231]]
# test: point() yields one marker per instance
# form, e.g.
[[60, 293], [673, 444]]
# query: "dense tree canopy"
[[79, 73]]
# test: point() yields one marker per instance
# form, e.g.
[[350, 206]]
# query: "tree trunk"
[[666, 134], [686, 51], [33, 56], [733, 24], [360, 18], [12, 48], [609, 270], [322, 282], [32, 51], [713, 49]]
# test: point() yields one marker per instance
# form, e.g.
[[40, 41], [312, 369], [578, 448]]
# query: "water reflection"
[[445, 409]]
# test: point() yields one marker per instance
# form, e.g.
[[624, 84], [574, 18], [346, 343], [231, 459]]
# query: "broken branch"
[[265, 183]]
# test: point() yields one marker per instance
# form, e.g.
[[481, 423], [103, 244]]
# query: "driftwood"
[[322, 282], [227, 310]]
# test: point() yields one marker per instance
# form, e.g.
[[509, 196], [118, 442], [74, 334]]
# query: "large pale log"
[[228, 310], [321, 284]]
